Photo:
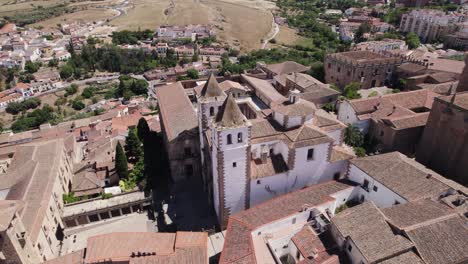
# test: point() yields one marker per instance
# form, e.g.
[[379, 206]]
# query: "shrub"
[[72, 89], [360, 152], [77, 105]]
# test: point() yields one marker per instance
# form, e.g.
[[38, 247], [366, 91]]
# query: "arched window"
[[229, 139], [239, 137], [211, 111]]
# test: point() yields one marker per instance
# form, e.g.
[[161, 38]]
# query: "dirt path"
[[275, 29]]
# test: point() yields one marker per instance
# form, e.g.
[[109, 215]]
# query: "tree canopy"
[[121, 165]]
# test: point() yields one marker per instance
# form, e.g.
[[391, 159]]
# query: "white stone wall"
[[310, 171], [266, 188], [337, 136], [347, 115], [383, 197]]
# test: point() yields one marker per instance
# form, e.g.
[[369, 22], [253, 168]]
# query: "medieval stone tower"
[[209, 102], [231, 160]]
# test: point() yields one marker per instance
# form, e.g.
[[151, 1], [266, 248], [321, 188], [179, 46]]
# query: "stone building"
[[444, 144], [395, 120], [180, 129], [367, 68], [307, 87], [39, 174], [430, 25], [252, 152]]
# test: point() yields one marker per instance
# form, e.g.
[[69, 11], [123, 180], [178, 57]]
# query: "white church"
[[252, 153]]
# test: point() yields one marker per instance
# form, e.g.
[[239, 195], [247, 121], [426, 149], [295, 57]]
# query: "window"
[[396, 202], [350, 248], [234, 164], [259, 182], [329, 65], [188, 151], [294, 221], [310, 154], [375, 188], [339, 69], [381, 133], [239, 137], [336, 176], [211, 111], [373, 83], [365, 185], [229, 139]]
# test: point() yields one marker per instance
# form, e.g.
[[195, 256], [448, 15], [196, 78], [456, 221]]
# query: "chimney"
[[294, 96]]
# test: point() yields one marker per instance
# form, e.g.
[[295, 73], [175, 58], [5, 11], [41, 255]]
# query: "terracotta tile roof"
[[408, 100], [398, 173], [442, 242], [339, 153], [180, 247], [230, 114], [405, 258], [365, 225], [274, 164], [177, 113], [72, 258], [211, 88], [307, 242], [286, 67], [416, 120], [305, 132], [412, 67], [460, 99], [301, 108], [238, 246], [411, 215], [446, 65], [265, 89], [226, 85]]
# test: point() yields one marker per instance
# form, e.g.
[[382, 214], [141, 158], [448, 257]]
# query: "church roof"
[[230, 114], [211, 88]]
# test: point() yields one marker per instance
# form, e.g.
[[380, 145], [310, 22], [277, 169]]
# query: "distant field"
[[241, 23], [80, 16], [7, 6]]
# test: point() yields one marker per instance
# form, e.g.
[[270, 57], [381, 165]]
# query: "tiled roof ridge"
[[283, 197], [231, 218]]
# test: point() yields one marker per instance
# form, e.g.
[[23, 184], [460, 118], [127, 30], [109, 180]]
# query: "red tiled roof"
[[176, 110], [237, 246]]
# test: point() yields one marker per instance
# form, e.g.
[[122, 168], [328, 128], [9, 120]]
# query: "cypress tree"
[[121, 165], [133, 144], [142, 129]]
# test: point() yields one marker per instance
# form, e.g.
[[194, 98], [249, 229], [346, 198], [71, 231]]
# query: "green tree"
[[412, 40], [353, 136], [88, 92], [351, 91], [192, 74], [70, 90], [66, 71], [143, 129], [78, 105], [363, 29], [32, 67], [133, 145], [121, 165], [53, 63], [195, 57]]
